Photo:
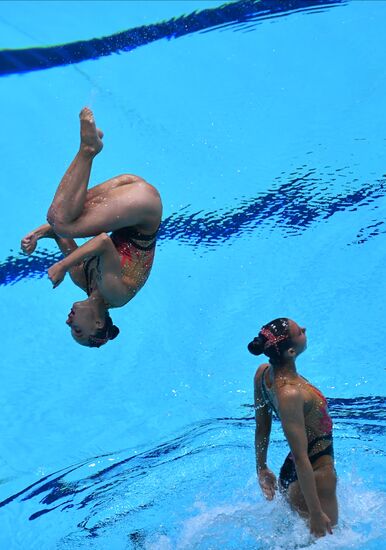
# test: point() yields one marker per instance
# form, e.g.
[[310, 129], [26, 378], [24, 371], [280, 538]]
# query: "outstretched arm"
[[291, 405], [113, 289], [263, 417]]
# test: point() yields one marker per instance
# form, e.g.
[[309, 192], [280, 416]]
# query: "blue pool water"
[[263, 126]]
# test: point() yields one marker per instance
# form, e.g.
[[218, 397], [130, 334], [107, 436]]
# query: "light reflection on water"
[[198, 490]]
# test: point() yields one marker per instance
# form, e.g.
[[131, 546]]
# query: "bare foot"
[[29, 242], [90, 135]]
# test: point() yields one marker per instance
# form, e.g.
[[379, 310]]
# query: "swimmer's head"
[[91, 326], [279, 340], [108, 332]]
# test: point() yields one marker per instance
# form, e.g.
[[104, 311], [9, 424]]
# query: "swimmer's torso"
[[318, 423], [136, 253]]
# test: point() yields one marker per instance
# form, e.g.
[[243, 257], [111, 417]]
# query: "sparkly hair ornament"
[[270, 337]]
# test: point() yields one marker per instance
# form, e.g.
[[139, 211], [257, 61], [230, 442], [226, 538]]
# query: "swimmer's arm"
[[292, 418], [67, 246], [111, 285], [263, 417]]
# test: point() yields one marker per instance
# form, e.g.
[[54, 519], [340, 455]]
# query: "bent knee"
[[55, 220], [60, 228], [51, 216]]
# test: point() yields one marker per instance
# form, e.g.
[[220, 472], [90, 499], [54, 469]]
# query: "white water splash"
[[261, 525]]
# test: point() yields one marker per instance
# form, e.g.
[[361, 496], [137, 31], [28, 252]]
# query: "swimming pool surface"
[[263, 126]]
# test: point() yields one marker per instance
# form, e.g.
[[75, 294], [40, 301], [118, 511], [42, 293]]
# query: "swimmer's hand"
[[320, 524], [267, 482], [56, 274]]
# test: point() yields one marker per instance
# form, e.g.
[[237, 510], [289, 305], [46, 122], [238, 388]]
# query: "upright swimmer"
[[307, 477], [111, 269]]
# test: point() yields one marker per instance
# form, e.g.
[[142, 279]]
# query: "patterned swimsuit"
[[126, 242], [318, 429], [136, 251]]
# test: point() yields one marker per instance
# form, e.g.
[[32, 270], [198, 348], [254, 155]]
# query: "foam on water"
[[198, 490], [244, 525]]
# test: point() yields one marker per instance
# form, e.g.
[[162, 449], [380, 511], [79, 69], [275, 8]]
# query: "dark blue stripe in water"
[[291, 209], [234, 13]]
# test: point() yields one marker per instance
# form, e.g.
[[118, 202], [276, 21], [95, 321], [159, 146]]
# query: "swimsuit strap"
[[265, 394], [86, 268], [87, 273]]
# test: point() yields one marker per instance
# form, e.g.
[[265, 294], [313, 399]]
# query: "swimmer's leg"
[[71, 194], [326, 481], [138, 205]]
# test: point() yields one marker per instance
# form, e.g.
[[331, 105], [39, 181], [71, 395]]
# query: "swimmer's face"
[[82, 322], [298, 337]]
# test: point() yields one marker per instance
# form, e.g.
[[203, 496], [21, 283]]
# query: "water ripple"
[[232, 14], [292, 208], [94, 485]]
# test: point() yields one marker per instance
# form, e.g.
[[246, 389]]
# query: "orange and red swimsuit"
[[126, 242], [318, 429], [136, 251]]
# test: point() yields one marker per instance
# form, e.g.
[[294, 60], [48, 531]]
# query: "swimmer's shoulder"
[[289, 397]]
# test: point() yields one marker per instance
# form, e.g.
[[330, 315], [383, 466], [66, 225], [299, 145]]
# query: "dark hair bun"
[[256, 347], [113, 332]]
